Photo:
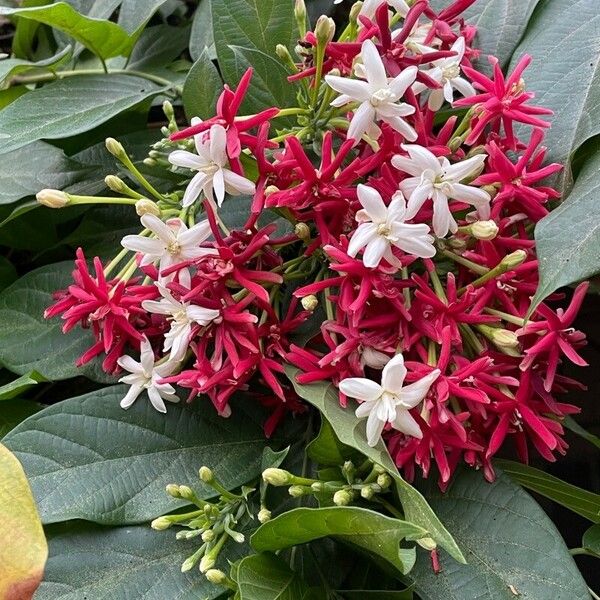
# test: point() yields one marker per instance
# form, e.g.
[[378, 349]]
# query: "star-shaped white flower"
[[212, 178], [446, 71], [369, 7], [173, 243], [382, 227], [389, 402], [438, 179], [145, 375], [182, 316], [378, 96]]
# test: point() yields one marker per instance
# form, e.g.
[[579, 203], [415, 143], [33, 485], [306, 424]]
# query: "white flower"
[[369, 7], [446, 71], [173, 244], [389, 402], [378, 96], [212, 178], [436, 178], [145, 375], [382, 227], [182, 316]]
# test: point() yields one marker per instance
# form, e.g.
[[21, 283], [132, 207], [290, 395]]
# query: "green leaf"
[[123, 563], [8, 273], [28, 342], [87, 458], [12, 412], [10, 67], [71, 106], [254, 25], [582, 502], [157, 47], [326, 449], [202, 33], [563, 39], [102, 37], [135, 14], [513, 549], [369, 530], [568, 239], [571, 424], [18, 386], [351, 431], [52, 170], [202, 88], [267, 577], [591, 539], [376, 594], [23, 550]]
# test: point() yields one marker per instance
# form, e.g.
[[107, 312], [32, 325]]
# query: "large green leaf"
[[513, 549], [135, 14], [267, 577], [568, 239], [158, 46], [71, 106], [88, 458], [18, 386], [252, 25], [584, 503], [591, 540], [351, 431], [28, 342], [102, 37], [23, 549], [10, 67], [12, 412], [563, 39], [571, 424], [202, 33], [369, 530], [202, 88], [123, 563]]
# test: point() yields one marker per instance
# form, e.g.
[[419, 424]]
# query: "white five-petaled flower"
[[446, 71], [369, 7], [382, 227], [212, 178], [173, 244], [389, 402], [436, 178], [145, 375], [378, 96], [183, 316]]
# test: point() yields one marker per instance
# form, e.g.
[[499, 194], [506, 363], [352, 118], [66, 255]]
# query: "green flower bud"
[[324, 29], [208, 535], [302, 230], [206, 475], [264, 515], [384, 481], [207, 562], [514, 259], [147, 207], [115, 147], [310, 303], [342, 498], [216, 577], [52, 198], [161, 523], [173, 490], [367, 492], [297, 491], [484, 230], [277, 477]]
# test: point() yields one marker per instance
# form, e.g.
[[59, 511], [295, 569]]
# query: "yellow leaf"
[[23, 548]]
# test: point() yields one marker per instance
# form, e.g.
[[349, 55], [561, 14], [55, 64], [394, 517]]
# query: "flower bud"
[[207, 562], [271, 189], [216, 577], [277, 477], [297, 491], [114, 183], [302, 230], [342, 498], [355, 11], [149, 162], [188, 564], [283, 53], [300, 10], [484, 230], [147, 207], [52, 198], [384, 481], [264, 515], [161, 523], [115, 147], [514, 259], [208, 535], [427, 543], [367, 492], [324, 29], [317, 486], [310, 303], [173, 490], [206, 474], [503, 338], [186, 492]]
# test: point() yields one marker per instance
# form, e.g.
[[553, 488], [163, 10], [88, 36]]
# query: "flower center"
[[382, 96], [451, 71], [384, 230], [174, 248]]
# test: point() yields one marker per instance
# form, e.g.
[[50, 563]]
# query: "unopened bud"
[[317, 486], [514, 259], [297, 491], [355, 11], [300, 9], [271, 189], [490, 189], [208, 535], [114, 183], [309, 303], [277, 477], [168, 110], [186, 492], [484, 230], [342, 498], [384, 481], [264, 515], [503, 338], [206, 474], [367, 492], [324, 29], [427, 543], [207, 562], [161, 523], [283, 53], [188, 564], [302, 230], [215, 576], [149, 162], [52, 198], [173, 490], [115, 147], [147, 207]]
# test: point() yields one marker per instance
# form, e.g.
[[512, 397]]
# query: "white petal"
[[158, 227], [363, 410], [415, 241], [360, 388], [417, 198], [374, 429], [415, 393], [423, 158], [201, 315], [363, 117], [407, 165], [236, 184], [365, 233], [393, 374], [374, 68], [463, 86], [218, 183], [129, 364], [139, 243], [194, 188], [473, 195], [156, 400], [131, 396], [218, 145], [355, 89], [442, 215], [374, 252], [397, 208], [405, 423], [401, 126], [403, 81], [436, 99], [395, 110], [147, 356], [195, 235], [470, 166], [373, 203], [182, 158]]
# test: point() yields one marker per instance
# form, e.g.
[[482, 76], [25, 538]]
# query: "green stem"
[[73, 200], [465, 262]]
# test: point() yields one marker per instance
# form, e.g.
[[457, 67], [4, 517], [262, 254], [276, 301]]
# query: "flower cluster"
[[385, 246]]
